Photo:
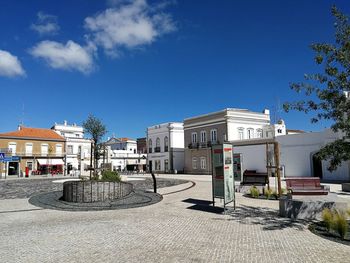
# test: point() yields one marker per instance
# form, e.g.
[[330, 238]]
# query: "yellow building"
[[33, 151]]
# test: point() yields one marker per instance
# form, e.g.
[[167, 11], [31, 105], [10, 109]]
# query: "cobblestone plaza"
[[173, 230]]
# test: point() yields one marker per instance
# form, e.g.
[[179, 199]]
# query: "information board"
[[228, 174], [223, 173]]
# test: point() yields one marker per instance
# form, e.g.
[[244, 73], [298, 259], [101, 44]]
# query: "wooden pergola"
[[266, 142]]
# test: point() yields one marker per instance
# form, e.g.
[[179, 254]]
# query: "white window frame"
[[203, 163], [59, 146], [194, 163], [203, 136], [213, 135], [11, 148], [194, 137], [241, 133], [259, 133], [70, 147], [250, 133], [43, 152], [28, 153]]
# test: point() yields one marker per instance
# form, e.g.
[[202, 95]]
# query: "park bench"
[[305, 186], [252, 177]]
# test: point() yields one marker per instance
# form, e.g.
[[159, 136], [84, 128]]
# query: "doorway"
[[13, 168], [317, 167]]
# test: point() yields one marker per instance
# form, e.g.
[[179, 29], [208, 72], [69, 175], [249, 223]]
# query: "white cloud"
[[129, 25], [10, 66], [46, 24], [70, 56]]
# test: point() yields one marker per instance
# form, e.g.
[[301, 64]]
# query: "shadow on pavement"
[[203, 205], [266, 217]]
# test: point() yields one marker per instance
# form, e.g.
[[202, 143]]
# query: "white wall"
[[252, 157], [296, 151]]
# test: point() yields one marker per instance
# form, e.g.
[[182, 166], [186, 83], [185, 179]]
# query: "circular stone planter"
[[95, 191]]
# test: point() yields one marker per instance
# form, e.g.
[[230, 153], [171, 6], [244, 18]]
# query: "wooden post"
[[267, 166], [277, 164]]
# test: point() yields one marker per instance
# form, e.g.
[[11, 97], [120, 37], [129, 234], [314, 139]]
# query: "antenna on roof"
[[21, 121]]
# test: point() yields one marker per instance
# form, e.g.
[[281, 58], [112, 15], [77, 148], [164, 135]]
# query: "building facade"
[[201, 132], [165, 147], [122, 155], [39, 151], [141, 145], [78, 148]]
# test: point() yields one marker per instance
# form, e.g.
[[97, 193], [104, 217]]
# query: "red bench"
[[305, 186]]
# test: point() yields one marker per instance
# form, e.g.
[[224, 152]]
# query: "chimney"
[[266, 111], [20, 127], [65, 123]]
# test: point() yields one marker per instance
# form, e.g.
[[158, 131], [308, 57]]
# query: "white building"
[[297, 156], [122, 154], [165, 144], [201, 132], [78, 149]]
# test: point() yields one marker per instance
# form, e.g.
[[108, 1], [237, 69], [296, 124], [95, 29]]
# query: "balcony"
[[202, 144], [157, 149], [38, 155]]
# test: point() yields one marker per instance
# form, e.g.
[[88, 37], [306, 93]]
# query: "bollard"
[[154, 183]]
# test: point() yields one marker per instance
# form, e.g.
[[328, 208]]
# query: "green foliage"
[[268, 192], [326, 90], [340, 224], [254, 192], [111, 176], [328, 218], [97, 130]]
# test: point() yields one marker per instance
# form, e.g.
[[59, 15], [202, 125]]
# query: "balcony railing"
[[166, 148], [149, 150], [202, 144], [157, 149], [31, 154]]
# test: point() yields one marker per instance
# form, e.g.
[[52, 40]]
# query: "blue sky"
[[160, 61]]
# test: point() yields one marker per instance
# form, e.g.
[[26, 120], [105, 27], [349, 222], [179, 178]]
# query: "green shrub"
[[254, 192], [340, 224], [268, 193], [111, 176], [328, 218]]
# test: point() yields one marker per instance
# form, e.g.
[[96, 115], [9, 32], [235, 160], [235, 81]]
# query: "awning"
[[50, 161]]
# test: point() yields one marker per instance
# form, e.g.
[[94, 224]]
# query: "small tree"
[[328, 91], [97, 130]]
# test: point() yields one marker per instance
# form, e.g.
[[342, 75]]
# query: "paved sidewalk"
[[174, 230]]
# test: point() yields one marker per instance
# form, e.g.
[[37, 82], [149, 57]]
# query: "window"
[[203, 163], [29, 149], [213, 135], [250, 133], [157, 165], [279, 131], [70, 149], [241, 133], [166, 165], [166, 144], [44, 149], [259, 133], [149, 146], [157, 149], [58, 149], [194, 137], [203, 136], [12, 147], [194, 163]]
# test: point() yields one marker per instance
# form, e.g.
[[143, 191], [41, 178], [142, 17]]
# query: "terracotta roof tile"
[[37, 133]]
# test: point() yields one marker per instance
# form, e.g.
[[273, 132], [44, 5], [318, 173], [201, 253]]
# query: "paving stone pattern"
[[177, 229]]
